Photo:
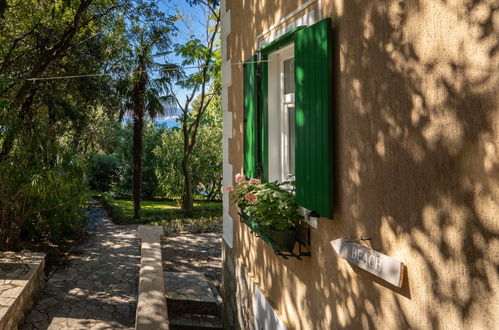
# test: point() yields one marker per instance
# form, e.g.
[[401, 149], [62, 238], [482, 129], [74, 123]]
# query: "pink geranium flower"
[[240, 178], [229, 188], [250, 197], [255, 181]]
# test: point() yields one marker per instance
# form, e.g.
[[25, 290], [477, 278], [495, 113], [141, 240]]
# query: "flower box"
[[269, 209], [283, 242], [279, 240]]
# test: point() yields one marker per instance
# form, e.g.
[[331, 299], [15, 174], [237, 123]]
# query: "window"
[[281, 114], [288, 113]]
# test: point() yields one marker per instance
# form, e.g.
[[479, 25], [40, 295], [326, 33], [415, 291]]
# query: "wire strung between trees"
[[91, 75]]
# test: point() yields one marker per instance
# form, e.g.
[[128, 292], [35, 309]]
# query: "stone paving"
[[98, 290], [200, 253], [188, 286]]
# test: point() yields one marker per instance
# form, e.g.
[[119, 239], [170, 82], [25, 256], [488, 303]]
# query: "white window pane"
[[289, 76], [291, 136]]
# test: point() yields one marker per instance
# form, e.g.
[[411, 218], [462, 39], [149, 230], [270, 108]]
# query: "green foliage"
[[272, 205], [46, 126], [40, 202], [162, 157], [59, 206], [3, 7], [206, 158], [205, 83], [169, 173], [113, 210], [191, 225], [103, 171], [150, 162], [149, 32], [207, 215]]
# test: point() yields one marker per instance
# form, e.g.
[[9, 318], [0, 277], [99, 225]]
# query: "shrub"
[[40, 202], [191, 226], [114, 212], [103, 172], [150, 162]]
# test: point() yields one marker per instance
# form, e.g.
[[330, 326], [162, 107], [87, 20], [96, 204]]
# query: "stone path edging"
[[152, 313], [21, 277]]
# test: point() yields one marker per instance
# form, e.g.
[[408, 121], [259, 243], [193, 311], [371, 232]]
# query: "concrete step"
[[191, 293], [179, 306], [194, 322]]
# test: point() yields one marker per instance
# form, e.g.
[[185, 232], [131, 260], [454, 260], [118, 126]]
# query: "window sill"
[[311, 221]]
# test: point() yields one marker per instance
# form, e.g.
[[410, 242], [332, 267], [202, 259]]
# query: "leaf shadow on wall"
[[417, 153]]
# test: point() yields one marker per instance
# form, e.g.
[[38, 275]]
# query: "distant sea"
[[167, 123], [170, 120]]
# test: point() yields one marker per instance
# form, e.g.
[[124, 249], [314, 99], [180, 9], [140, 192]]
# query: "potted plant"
[[269, 209]]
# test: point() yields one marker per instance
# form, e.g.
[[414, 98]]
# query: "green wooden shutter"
[[250, 118], [313, 109]]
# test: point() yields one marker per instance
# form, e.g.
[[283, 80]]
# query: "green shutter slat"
[[313, 109], [250, 118]]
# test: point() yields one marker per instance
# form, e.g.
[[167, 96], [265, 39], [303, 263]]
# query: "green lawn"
[[207, 215]]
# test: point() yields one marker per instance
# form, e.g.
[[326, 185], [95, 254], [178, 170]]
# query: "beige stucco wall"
[[417, 156]]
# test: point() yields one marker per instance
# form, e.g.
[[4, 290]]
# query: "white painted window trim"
[[286, 101], [311, 221], [305, 20], [290, 15], [278, 120], [228, 222]]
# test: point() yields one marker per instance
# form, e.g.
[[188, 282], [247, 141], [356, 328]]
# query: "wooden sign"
[[376, 263]]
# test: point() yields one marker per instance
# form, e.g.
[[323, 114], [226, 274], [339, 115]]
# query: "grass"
[[207, 215]]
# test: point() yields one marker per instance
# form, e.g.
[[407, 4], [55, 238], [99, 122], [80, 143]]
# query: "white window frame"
[[279, 105], [277, 118]]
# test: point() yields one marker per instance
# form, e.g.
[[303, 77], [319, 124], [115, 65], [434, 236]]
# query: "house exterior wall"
[[417, 169]]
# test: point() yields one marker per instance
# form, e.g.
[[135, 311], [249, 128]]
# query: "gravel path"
[[98, 290], [194, 253]]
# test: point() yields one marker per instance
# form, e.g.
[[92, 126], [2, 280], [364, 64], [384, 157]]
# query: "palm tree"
[[145, 95]]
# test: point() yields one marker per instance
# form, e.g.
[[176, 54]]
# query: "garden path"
[[98, 290]]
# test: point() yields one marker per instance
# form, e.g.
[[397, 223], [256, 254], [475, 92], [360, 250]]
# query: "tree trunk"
[[188, 204], [138, 126], [138, 130]]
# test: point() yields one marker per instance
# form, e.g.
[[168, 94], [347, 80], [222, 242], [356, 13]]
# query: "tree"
[[204, 84], [206, 157], [149, 33], [44, 121], [30, 52], [150, 164]]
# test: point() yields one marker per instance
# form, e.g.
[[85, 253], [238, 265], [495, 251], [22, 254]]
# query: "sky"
[[191, 24]]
